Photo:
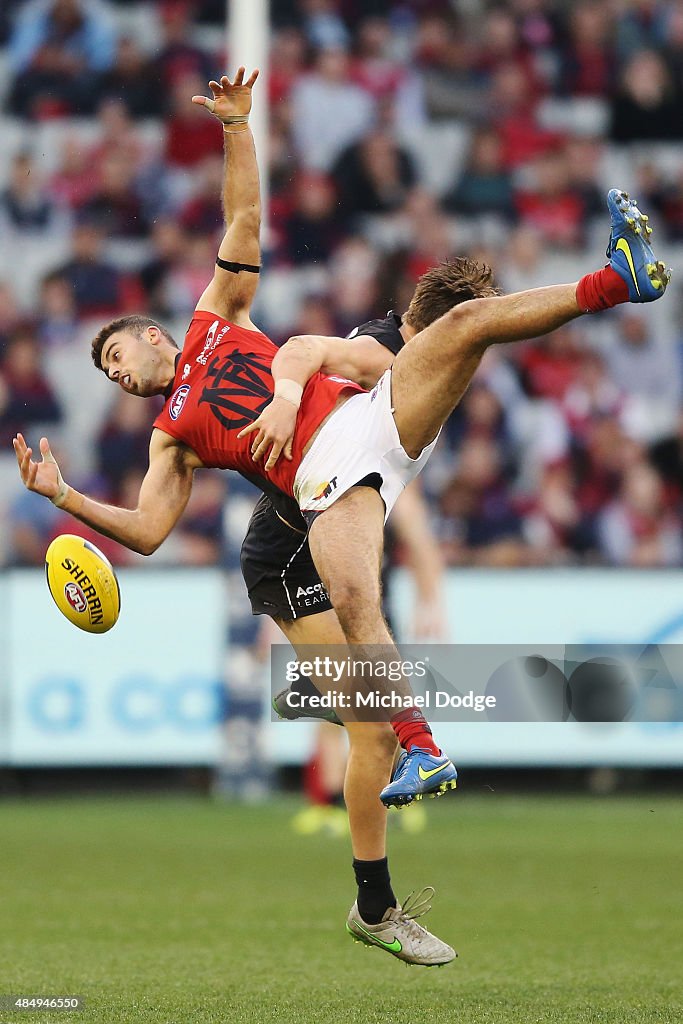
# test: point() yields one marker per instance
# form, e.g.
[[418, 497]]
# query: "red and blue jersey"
[[222, 384]]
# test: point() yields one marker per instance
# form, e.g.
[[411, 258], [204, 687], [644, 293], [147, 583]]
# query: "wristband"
[[63, 488], [242, 122], [289, 390], [60, 496]]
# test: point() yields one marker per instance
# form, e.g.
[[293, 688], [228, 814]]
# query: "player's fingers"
[[249, 430], [239, 77], [274, 454], [214, 87], [32, 473], [258, 453], [252, 78], [45, 450], [258, 446], [288, 449], [203, 101]]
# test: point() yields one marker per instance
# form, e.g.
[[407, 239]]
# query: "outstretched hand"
[[230, 99], [42, 477], [275, 432]]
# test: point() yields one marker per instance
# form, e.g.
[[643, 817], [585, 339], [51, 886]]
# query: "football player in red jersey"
[[348, 460]]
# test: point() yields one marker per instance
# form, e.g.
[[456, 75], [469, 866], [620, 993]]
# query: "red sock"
[[412, 730], [601, 290]]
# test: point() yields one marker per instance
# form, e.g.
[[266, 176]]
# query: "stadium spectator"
[[481, 524], [637, 529], [354, 270], [27, 398], [99, 289], [190, 136], [287, 62], [567, 418], [10, 315], [550, 205], [114, 205], [57, 52], [512, 107], [374, 67], [185, 281], [312, 228], [645, 363], [323, 24], [58, 317], [132, 80], [123, 440], [203, 213], [24, 203], [485, 184], [329, 112], [588, 63], [375, 175], [648, 104], [168, 245], [640, 25], [584, 157], [551, 366], [553, 523], [73, 182], [452, 86], [178, 58]]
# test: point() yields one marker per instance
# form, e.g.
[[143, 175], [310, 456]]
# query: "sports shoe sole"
[[657, 272], [405, 801], [373, 945]]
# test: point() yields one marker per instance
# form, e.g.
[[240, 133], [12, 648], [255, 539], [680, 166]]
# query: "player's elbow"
[[470, 323]]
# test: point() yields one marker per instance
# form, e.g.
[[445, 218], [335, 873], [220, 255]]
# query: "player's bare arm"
[[164, 493], [234, 283], [362, 359]]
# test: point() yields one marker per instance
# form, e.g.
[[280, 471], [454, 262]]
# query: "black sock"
[[375, 894]]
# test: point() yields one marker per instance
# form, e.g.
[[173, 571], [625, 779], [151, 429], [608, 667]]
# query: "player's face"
[[133, 363]]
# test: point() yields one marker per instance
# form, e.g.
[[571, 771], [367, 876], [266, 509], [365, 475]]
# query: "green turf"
[[175, 911]]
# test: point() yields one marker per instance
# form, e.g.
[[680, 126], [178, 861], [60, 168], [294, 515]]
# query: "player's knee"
[[355, 603]]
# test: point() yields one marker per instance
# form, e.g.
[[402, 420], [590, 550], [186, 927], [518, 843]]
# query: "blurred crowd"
[[399, 133]]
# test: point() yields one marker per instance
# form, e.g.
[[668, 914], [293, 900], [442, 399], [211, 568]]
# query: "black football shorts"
[[277, 567]]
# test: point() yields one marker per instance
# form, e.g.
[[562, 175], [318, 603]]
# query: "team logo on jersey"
[[212, 339], [75, 597], [175, 406], [239, 390]]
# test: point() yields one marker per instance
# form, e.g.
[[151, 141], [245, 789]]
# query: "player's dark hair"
[[448, 284], [135, 323]]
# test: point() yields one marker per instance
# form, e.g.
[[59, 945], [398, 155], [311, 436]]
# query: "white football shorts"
[[359, 440]]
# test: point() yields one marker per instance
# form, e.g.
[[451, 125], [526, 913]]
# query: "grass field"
[[177, 910]]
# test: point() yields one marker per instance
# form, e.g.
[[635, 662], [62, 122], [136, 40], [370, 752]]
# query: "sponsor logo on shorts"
[[376, 390], [178, 401], [75, 596], [325, 490], [307, 597]]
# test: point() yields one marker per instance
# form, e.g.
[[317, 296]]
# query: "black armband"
[[235, 268]]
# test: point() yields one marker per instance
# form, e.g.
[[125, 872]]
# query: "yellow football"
[[83, 583]]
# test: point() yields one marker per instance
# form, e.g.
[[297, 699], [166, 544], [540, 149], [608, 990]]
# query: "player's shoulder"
[[386, 330]]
